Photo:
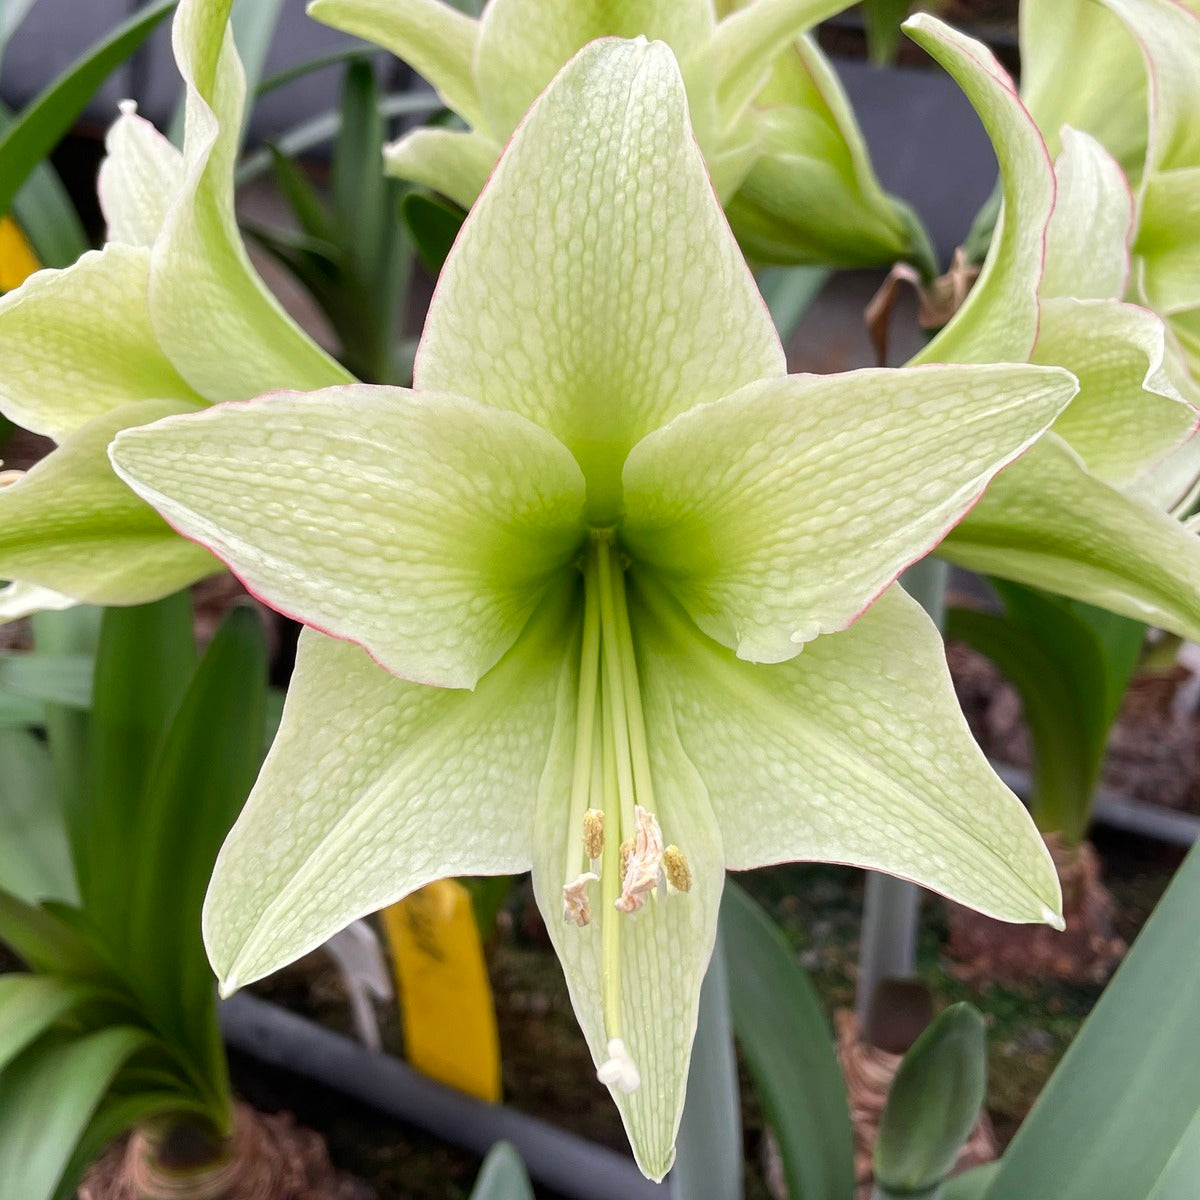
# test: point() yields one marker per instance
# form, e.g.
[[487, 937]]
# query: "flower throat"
[[614, 842]]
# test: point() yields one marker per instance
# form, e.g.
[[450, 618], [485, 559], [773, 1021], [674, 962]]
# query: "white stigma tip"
[[1053, 919], [619, 1070]]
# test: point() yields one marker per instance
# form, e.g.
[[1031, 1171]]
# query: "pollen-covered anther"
[[619, 1070], [593, 833], [644, 868], [577, 905], [677, 869]]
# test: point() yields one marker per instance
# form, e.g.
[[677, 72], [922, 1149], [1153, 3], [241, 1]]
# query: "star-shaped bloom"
[[607, 595], [168, 317], [1085, 512], [776, 128]]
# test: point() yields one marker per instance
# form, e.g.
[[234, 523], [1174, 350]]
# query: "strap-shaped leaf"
[[39, 128], [1119, 1116], [787, 1046], [30, 1005], [144, 661], [210, 756], [35, 862], [47, 1098]]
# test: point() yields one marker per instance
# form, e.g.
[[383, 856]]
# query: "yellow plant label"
[[17, 260], [448, 1013]]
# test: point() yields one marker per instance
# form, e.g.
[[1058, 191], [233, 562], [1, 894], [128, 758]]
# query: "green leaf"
[[309, 209], [44, 943], [1070, 663], [51, 678], [433, 224], [47, 1098], [199, 783], [709, 1143], [1120, 1113], [310, 66], [789, 293], [45, 214], [29, 1006], [933, 1103], [882, 20], [788, 1049], [145, 659], [75, 631], [502, 1176], [35, 859], [31, 137], [971, 1185]]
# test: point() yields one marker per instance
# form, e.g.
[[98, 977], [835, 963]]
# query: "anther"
[[644, 869], [593, 833], [676, 869], [577, 907], [619, 1070]]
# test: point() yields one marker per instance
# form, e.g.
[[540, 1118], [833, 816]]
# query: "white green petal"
[[70, 525], [746, 43], [424, 527], [1168, 33], [778, 513], [861, 756], [663, 952], [78, 343], [454, 162], [1128, 415], [1088, 237], [999, 320], [596, 288], [23, 599], [1168, 242], [437, 39], [213, 316], [1048, 522], [376, 786], [1079, 67], [524, 43], [812, 196], [139, 177]]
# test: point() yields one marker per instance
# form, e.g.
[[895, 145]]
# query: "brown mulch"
[[275, 1159], [1087, 951]]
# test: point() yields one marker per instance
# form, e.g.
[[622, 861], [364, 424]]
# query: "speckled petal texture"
[[596, 287], [779, 513], [1049, 522], [423, 527], [374, 787], [139, 178], [72, 526], [854, 752], [78, 343]]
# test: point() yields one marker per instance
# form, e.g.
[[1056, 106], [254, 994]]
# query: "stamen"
[[676, 869], [619, 1070], [593, 833], [644, 870], [577, 905]]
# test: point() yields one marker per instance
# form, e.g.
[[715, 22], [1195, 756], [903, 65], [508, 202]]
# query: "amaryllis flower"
[[608, 595]]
